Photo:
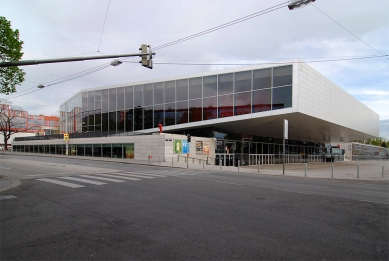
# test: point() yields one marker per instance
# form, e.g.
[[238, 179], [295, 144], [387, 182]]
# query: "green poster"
[[177, 146], [129, 150]]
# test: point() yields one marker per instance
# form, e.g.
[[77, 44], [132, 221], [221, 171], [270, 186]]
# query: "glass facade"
[[139, 107]]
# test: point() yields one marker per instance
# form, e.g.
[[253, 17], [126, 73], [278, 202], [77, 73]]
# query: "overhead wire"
[[348, 30], [216, 28], [105, 19]]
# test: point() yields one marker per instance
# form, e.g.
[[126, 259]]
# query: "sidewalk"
[[368, 170]]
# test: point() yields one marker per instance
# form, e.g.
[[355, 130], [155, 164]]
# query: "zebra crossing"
[[98, 179]]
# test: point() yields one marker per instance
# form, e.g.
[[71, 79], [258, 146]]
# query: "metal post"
[[187, 162], [358, 171], [305, 167], [220, 164], [238, 164], [172, 161], [259, 166], [332, 170], [383, 168], [148, 160], [203, 164], [159, 158]]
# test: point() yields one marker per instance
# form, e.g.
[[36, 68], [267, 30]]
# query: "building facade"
[[242, 108]]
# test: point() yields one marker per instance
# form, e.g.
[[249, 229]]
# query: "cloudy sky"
[[326, 35]]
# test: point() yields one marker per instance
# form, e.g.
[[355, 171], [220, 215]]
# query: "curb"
[[14, 184]]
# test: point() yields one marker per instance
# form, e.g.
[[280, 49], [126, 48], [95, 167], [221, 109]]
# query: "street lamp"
[[299, 3]]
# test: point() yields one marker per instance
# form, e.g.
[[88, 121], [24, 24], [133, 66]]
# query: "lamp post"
[[299, 3]]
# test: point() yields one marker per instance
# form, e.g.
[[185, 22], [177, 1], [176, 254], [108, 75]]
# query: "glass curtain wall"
[[134, 108]]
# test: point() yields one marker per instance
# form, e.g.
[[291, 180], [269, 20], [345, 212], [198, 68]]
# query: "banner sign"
[[199, 147], [177, 146], [206, 147], [185, 147]]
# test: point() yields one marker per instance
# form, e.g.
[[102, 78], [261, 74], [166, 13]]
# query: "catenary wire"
[[265, 11], [349, 31], [105, 19]]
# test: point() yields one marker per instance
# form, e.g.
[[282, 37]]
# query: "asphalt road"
[[159, 213]]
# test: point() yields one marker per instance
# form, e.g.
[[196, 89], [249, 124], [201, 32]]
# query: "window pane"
[[112, 122], [170, 91], [98, 119], [121, 116], [225, 104], [242, 103], [148, 117], [262, 100], [98, 100], [210, 108], [170, 114], [182, 112], [158, 93], [195, 110], [129, 103], [138, 118], [138, 96], [104, 121], [120, 99], [104, 101], [129, 120], [112, 99], [226, 83], [195, 88], [243, 81], [148, 94], [210, 86], [91, 101], [96, 150], [282, 76], [84, 101], [158, 115], [262, 79], [182, 90], [282, 97]]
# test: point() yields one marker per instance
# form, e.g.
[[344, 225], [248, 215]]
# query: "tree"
[[12, 120], [10, 51]]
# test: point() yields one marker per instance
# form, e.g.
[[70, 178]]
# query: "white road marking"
[[134, 175], [374, 202], [385, 193], [147, 174], [107, 179], [4, 167], [67, 184], [84, 180], [309, 185], [116, 176], [228, 183], [7, 197]]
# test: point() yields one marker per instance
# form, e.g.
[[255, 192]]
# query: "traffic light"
[[146, 59], [188, 136]]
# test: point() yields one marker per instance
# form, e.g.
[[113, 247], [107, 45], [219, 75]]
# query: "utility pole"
[[145, 53]]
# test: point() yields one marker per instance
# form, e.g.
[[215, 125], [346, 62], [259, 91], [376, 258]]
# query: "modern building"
[[242, 108]]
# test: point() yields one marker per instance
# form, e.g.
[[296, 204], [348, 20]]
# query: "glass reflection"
[[91, 101], [182, 112], [243, 81], [158, 115], [195, 110], [112, 99], [129, 98], [84, 101], [182, 90], [130, 120], [282, 97], [121, 116], [210, 108], [210, 86], [242, 103], [112, 122], [262, 79], [262, 100], [138, 118], [170, 114], [148, 94], [170, 91], [282, 75], [195, 88], [120, 99], [98, 100], [104, 101], [138, 98], [226, 83], [158, 93], [225, 105], [148, 117]]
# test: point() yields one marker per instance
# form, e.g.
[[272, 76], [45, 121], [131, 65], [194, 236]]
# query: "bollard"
[[238, 164], [172, 161], [358, 171], [259, 166], [220, 166], [148, 160], [383, 169], [332, 170], [187, 162], [305, 168]]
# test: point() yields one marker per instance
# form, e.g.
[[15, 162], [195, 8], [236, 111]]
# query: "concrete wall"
[[319, 97]]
